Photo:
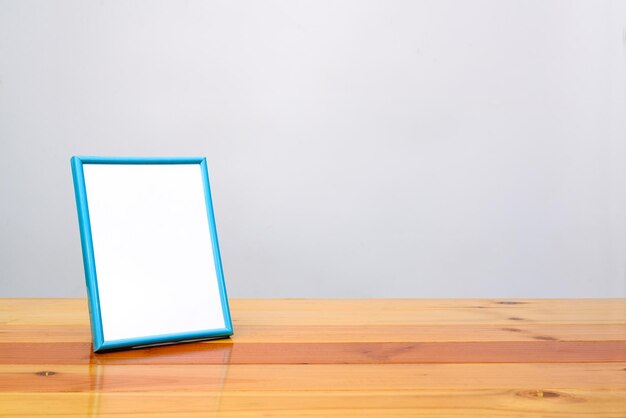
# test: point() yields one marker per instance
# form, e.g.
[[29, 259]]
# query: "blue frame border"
[[91, 276]]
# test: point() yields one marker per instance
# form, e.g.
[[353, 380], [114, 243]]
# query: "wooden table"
[[311, 357]]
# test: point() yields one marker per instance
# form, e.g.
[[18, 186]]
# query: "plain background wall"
[[356, 148]]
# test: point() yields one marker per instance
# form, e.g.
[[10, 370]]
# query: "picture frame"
[[151, 257]]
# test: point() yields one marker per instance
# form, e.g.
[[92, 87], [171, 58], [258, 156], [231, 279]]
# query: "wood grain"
[[356, 320], [261, 377], [299, 357], [321, 353]]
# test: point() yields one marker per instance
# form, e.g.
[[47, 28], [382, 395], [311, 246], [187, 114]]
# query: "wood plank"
[[428, 311], [355, 311], [357, 333], [321, 353], [66, 320], [307, 377], [423, 403], [542, 390]]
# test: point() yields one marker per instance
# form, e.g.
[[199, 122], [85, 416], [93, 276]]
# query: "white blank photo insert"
[[152, 247]]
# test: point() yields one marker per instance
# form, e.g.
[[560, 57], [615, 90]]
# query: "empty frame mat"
[[150, 250]]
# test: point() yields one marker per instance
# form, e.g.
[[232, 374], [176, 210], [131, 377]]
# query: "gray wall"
[[356, 148]]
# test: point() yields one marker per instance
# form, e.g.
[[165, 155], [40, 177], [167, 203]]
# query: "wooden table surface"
[[312, 357]]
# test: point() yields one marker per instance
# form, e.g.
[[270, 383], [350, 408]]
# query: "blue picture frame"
[[91, 276]]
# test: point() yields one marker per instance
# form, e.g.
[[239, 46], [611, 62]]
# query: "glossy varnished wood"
[[301, 357]]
